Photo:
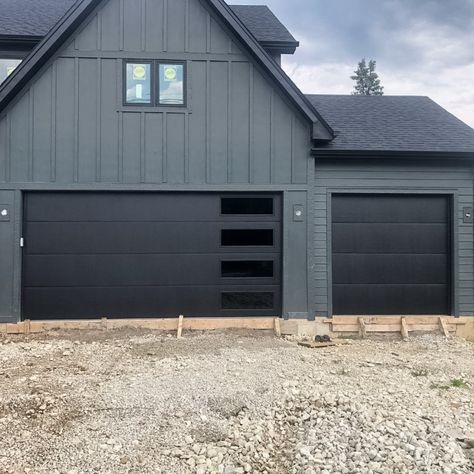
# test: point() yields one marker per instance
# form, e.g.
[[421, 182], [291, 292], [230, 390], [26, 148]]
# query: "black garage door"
[[391, 254], [128, 255]]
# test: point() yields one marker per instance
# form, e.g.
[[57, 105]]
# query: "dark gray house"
[[155, 160]]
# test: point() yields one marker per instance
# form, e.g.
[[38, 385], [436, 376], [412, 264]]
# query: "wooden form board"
[[401, 324], [172, 324]]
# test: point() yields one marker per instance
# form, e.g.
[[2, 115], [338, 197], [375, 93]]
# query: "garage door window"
[[247, 269], [247, 206], [247, 300], [247, 237]]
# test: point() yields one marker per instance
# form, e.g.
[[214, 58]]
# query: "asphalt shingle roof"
[[392, 123], [31, 17], [263, 24], [37, 17]]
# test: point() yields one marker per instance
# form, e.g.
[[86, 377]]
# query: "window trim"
[[155, 83]]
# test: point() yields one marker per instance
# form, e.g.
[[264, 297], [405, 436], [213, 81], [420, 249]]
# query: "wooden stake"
[[180, 327], [277, 327], [404, 329], [444, 328], [362, 329]]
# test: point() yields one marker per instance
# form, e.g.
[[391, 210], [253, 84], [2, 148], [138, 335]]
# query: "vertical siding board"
[[164, 135], [54, 95], [110, 26], [176, 148], [301, 156], [3, 150], [98, 136], [65, 120], [176, 16], [131, 25], [197, 28], [87, 120], [218, 127], [198, 124], [261, 162], [219, 41], [153, 148], [131, 147], [87, 39], [108, 140], [19, 140], [239, 125], [282, 151], [153, 26], [41, 125], [31, 130]]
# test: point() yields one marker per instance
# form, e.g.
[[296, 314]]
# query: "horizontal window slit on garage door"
[[247, 206], [247, 237], [247, 300], [247, 269]]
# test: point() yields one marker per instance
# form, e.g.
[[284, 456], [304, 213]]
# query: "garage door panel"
[[127, 255], [141, 270], [390, 299], [135, 207], [389, 208], [390, 238], [141, 302], [138, 237], [391, 254], [406, 268]]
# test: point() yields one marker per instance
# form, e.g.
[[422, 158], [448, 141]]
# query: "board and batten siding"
[[69, 130], [69, 125], [385, 176]]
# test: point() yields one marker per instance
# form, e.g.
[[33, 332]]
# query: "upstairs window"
[[7, 66], [154, 83]]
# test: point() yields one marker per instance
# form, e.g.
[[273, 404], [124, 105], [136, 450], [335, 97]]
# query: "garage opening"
[[391, 254], [144, 255]]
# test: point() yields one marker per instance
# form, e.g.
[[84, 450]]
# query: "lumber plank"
[[404, 329], [179, 334], [277, 327], [444, 327], [362, 328]]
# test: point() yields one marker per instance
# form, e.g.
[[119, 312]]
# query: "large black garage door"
[[127, 255], [391, 254]]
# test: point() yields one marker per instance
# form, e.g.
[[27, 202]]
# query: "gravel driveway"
[[143, 402]]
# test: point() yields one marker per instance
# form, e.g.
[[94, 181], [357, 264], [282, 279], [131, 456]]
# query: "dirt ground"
[[233, 402]]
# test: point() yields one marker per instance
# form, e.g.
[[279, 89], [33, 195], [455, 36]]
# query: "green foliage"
[[367, 81], [458, 383]]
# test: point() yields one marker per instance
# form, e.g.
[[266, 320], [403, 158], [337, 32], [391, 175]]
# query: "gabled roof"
[[266, 27], [392, 123], [34, 18], [81, 10]]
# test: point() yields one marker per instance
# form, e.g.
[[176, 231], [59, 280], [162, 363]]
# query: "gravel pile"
[[139, 402]]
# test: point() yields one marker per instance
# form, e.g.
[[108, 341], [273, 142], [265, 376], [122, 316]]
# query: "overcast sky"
[[422, 47]]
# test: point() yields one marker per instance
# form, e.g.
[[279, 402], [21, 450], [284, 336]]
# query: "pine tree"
[[367, 80]]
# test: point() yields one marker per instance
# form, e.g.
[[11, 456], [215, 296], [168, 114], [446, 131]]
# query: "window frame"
[[125, 102], [160, 62], [155, 83]]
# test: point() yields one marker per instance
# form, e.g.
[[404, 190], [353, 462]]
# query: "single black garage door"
[[391, 254], [128, 255]]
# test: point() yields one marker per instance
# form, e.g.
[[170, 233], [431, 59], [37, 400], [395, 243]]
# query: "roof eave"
[[322, 153], [280, 47]]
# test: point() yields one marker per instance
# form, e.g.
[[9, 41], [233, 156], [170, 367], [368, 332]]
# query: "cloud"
[[422, 47]]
